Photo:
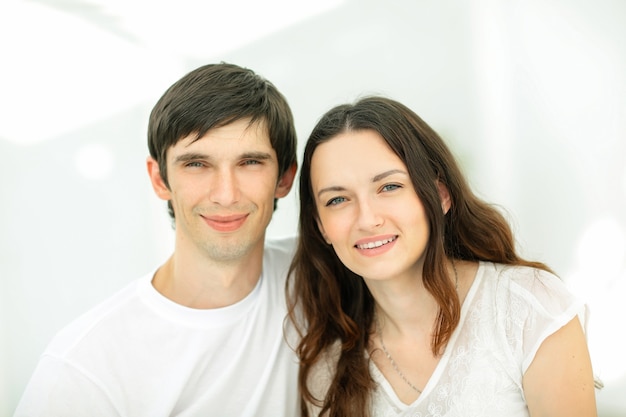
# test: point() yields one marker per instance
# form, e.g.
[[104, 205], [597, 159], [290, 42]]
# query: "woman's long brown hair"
[[328, 303]]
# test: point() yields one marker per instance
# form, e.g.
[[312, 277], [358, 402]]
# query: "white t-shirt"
[[508, 312], [140, 354]]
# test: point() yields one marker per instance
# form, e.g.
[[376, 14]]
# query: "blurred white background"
[[531, 96]]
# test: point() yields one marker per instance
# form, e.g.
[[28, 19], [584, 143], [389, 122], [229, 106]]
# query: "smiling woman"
[[369, 190], [395, 246]]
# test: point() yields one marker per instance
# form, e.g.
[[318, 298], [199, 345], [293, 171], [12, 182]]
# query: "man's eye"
[[196, 164], [251, 162], [334, 201]]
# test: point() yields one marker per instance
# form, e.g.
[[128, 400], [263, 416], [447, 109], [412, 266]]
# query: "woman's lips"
[[376, 245]]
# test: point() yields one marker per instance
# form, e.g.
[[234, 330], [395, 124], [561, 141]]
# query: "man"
[[203, 335]]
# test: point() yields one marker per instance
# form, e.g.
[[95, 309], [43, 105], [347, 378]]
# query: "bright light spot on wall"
[[94, 162], [70, 73], [232, 23], [111, 56], [602, 247], [600, 279]]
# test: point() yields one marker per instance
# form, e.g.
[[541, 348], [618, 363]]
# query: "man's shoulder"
[[278, 255], [285, 245], [95, 317]]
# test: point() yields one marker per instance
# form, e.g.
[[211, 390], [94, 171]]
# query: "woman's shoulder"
[[519, 276], [321, 375], [537, 288], [323, 370]]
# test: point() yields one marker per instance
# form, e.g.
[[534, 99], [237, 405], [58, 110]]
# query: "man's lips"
[[225, 223]]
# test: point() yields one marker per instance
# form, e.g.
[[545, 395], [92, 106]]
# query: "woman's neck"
[[405, 305], [404, 309]]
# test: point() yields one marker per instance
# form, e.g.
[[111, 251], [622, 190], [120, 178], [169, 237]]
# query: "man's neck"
[[204, 284]]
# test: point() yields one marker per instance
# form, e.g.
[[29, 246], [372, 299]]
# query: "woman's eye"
[[334, 201], [390, 187]]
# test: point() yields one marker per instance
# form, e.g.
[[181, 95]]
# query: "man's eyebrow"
[[189, 156], [194, 156], [256, 155]]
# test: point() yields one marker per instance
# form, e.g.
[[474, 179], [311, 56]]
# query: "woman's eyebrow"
[[385, 174], [376, 178], [333, 188]]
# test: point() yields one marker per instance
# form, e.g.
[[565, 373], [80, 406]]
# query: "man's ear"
[[444, 196], [161, 190], [286, 181]]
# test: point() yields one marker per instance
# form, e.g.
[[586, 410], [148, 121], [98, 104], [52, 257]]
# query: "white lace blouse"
[[507, 314]]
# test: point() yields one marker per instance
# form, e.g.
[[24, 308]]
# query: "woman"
[[407, 289]]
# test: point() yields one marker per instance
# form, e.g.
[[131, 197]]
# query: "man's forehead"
[[240, 136]]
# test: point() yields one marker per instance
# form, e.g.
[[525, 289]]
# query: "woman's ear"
[[444, 196], [321, 229]]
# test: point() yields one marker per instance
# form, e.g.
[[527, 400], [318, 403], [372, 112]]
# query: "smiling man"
[[203, 334]]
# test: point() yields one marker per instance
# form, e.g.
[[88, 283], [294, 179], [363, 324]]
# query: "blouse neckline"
[[443, 362]]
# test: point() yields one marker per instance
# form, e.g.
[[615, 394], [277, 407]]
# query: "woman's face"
[[368, 209]]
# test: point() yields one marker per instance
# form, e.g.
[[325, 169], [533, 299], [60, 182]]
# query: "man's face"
[[222, 188]]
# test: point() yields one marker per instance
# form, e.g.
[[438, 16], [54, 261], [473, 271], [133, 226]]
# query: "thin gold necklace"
[[388, 355]]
